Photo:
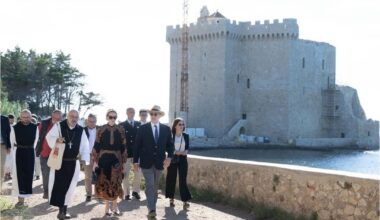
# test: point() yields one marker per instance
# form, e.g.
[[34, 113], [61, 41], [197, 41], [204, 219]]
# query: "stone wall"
[[299, 190]]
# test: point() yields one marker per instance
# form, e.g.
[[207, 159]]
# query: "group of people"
[[108, 154]]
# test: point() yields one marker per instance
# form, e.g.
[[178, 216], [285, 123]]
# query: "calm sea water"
[[367, 162]]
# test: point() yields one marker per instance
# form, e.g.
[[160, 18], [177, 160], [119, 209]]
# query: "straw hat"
[[157, 108]]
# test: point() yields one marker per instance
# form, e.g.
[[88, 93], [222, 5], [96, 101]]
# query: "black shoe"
[[186, 205], [67, 215], [152, 214], [172, 203], [117, 213], [37, 177], [88, 198], [61, 213], [127, 197], [136, 195]]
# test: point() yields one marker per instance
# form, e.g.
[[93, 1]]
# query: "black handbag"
[[175, 159]]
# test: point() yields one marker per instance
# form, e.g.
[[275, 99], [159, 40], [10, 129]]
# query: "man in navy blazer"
[[152, 141]]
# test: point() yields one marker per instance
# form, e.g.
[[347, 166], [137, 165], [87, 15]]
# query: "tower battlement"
[[215, 28]]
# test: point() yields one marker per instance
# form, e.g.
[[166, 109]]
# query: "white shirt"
[[153, 128], [143, 122], [179, 144], [91, 138], [131, 122]]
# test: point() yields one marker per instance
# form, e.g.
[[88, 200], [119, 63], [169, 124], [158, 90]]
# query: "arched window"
[[237, 78], [323, 64], [248, 83]]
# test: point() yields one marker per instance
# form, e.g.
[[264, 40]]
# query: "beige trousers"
[[88, 177], [3, 155], [136, 179]]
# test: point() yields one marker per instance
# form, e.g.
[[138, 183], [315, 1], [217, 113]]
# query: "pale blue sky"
[[121, 44]]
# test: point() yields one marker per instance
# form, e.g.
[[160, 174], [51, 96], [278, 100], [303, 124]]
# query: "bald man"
[[23, 137], [62, 182]]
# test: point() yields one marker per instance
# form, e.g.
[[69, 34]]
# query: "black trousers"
[[25, 170], [171, 179]]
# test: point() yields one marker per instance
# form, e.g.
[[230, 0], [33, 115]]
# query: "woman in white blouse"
[[178, 163]]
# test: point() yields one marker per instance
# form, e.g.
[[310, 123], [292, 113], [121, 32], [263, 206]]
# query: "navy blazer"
[[130, 134], [147, 152], [5, 132]]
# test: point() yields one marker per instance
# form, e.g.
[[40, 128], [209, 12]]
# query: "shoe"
[[67, 215], [37, 177], [117, 212], [20, 205], [45, 196], [108, 214], [152, 214], [88, 198], [127, 197], [172, 203], [61, 213], [186, 205], [136, 195]]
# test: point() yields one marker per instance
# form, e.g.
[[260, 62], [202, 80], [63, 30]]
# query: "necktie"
[[155, 134]]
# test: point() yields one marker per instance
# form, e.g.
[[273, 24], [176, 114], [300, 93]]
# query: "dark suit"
[[151, 156], [130, 132], [147, 152], [5, 131], [5, 145]]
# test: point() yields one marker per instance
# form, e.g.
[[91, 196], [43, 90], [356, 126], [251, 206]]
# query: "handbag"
[[175, 158], [56, 154]]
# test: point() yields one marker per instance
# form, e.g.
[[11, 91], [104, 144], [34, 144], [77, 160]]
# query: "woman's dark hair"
[[175, 123]]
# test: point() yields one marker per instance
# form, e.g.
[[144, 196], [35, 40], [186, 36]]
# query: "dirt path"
[[79, 209]]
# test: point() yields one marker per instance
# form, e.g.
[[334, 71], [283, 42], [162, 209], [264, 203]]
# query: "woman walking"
[[178, 164], [109, 155]]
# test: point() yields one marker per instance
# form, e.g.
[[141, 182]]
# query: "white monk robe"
[[62, 182], [26, 138]]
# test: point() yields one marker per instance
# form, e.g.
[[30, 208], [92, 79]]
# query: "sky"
[[120, 45]]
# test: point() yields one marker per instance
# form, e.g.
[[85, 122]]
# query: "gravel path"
[[79, 209]]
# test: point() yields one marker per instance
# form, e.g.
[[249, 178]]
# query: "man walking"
[[131, 126], [63, 182], [24, 137], [90, 131], [43, 149], [152, 141]]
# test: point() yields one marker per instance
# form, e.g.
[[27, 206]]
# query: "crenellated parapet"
[[241, 31]]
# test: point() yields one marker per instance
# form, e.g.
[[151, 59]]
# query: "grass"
[[261, 211], [10, 212]]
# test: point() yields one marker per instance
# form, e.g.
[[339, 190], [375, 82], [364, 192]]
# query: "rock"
[[357, 212], [324, 214], [349, 210], [356, 187], [362, 203], [372, 215]]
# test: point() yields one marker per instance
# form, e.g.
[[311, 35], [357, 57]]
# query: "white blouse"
[[179, 144]]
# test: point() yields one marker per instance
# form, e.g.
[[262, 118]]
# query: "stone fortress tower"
[[261, 79]]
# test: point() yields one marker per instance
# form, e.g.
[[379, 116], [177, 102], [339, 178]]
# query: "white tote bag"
[[56, 154]]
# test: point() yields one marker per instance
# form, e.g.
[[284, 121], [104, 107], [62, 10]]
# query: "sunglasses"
[[181, 125], [153, 114], [112, 117]]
